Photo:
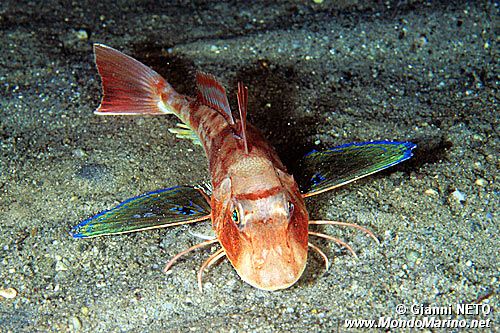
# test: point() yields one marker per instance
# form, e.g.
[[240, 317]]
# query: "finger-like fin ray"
[[335, 240], [182, 253], [346, 224], [183, 131], [322, 254], [209, 262]]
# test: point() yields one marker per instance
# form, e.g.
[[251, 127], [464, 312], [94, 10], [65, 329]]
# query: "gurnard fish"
[[256, 207]]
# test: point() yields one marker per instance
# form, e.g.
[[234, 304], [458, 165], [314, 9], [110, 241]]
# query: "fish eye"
[[291, 207], [236, 216]]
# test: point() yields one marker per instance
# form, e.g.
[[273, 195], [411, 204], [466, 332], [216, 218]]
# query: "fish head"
[[265, 234]]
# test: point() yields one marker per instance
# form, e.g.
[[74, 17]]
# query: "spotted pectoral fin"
[[325, 170], [157, 209]]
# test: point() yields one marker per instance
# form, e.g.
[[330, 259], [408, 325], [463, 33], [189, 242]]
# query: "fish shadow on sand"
[[273, 95]]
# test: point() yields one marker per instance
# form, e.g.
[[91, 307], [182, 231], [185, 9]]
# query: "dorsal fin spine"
[[242, 106]]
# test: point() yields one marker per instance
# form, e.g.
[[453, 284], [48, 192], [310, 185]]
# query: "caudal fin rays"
[[132, 88], [129, 87]]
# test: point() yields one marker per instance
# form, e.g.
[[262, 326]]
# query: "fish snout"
[[273, 268]]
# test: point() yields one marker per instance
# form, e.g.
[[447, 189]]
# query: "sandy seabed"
[[319, 75]]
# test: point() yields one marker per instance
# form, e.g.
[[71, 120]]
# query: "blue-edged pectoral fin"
[[325, 170], [157, 209]]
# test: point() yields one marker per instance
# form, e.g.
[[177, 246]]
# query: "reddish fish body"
[[258, 212]]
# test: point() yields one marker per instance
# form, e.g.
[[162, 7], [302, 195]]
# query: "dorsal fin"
[[213, 94], [242, 106]]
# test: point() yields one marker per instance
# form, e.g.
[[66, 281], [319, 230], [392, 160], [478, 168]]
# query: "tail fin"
[[129, 87]]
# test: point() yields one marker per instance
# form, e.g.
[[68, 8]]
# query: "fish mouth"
[[273, 270], [269, 284]]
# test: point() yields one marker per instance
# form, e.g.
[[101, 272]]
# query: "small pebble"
[[430, 191], [84, 311], [79, 153], [412, 256], [469, 263], [421, 41], [8, 293], [387, 234], [93, 172], [481, 182], [76, 324], [100, 284], [60, 266], [459, 196], [81, 34], [491, 158]]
